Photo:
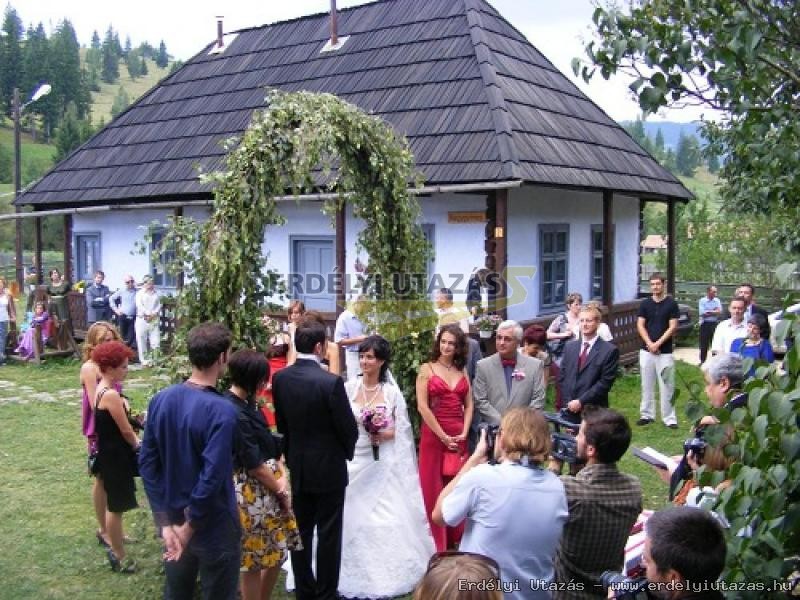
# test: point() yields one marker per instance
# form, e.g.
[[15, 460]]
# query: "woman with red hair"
[[117, 446]]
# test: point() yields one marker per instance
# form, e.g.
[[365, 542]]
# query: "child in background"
[[41, 317]]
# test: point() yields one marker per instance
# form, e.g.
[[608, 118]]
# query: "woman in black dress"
[[117, 446], [262, 487]]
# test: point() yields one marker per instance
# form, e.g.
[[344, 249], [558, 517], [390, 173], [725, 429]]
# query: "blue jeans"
[[3, 339], [218, 567]]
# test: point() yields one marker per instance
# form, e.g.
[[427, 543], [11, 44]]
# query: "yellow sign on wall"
[[466, 216]]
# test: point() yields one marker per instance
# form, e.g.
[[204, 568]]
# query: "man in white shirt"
[[730, 329], [147, 325], [349, 333]]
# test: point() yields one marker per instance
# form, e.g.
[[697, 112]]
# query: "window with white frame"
[[553, 257], [596, 260]]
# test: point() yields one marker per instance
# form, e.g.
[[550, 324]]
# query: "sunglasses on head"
[[440, 557]]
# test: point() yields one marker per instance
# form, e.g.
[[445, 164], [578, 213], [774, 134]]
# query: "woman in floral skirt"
[[262, 486]]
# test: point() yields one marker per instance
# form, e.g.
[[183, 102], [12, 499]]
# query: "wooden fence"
[[690, 292]]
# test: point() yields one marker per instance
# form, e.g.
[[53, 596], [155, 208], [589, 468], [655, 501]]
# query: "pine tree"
[[128, 47], [67, 80], [143, 67], [10, 57], [687, 155], [133, 64], [121, 102], [95, 40], [110, 70], [68, 136], [659, 145], [6, 164], [162, 58]]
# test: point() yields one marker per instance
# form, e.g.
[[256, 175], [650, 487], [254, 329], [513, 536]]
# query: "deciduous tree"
[[738, 57]]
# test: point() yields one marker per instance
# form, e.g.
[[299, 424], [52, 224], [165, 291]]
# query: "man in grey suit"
[[507, 378]]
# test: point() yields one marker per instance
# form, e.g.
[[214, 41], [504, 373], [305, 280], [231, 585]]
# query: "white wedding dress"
[[386, 542]]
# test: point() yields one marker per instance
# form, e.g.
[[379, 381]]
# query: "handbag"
[[452, 463], [91, 463]]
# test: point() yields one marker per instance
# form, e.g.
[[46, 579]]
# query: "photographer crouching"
[[514, 510], [684, 554], [603, 506]]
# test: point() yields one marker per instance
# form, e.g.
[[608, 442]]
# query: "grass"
[[46, 520]]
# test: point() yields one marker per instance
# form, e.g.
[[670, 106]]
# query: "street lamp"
[[17, 110]]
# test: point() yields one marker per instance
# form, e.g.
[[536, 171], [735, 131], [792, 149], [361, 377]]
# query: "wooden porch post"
[[608, 248], [497, 247], [37, 248], [67, 247], [341, 256], [671, 239], [178, 212]]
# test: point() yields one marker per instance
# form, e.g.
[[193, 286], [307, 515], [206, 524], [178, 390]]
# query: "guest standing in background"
[[57, 291], [561, 330], [148, 313], [123, 303], [349, 334], [710, 310], [657, 322], [754, 345], [444, 401], [8, 315], [294, 313], [98, 304]]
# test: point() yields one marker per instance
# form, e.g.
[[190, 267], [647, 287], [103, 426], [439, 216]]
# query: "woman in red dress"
[[277, 356], [444, 401]]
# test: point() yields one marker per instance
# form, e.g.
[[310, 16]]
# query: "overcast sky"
[[555, 27]]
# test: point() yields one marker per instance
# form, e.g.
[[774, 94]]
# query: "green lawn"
[[46, 522]]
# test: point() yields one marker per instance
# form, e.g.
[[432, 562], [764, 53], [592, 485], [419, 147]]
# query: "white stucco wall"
[[529, 207], [458, 247]]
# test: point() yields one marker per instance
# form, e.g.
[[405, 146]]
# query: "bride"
[[386, 542]]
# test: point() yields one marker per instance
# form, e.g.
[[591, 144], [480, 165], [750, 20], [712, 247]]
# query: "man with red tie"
[[589, 365], [507, 378]]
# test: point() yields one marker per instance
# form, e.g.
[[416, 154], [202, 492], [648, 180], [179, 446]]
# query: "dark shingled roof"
[[477, 102]]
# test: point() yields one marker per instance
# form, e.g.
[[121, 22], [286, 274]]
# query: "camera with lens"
[[695, 445], [491, 439], [625, 588], [565, 427]]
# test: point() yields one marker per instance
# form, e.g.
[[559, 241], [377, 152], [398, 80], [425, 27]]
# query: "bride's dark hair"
[[381, 349]]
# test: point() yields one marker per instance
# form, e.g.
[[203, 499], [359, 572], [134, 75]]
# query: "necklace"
[[448, 367], [372, 389], [376, 392]]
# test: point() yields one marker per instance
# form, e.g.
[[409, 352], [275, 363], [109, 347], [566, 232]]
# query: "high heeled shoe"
[[126, 565]]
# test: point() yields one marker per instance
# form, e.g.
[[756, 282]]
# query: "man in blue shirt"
[[710, 310], [123, 303], [186, 465], [349, 334]]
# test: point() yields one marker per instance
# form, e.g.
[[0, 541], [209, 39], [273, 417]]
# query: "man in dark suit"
[[320, 433], [589, 365]]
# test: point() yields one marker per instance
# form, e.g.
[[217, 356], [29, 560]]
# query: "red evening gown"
[[447, 406]]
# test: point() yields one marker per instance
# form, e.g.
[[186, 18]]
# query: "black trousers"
[[707, 329], [127, 330], [322, 511]]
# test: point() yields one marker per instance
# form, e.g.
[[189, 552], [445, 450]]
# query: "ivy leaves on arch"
[[301, 141]]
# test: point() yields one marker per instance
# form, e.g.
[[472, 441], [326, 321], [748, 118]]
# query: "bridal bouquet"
[[375, 419]]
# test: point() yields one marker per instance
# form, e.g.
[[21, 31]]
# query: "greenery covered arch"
[[301, 142]]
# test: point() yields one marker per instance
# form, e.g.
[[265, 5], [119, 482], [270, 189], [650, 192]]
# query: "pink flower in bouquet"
[[375, 419]]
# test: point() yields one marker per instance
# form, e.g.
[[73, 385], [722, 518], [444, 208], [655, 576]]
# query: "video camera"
[[491, 439], [565, 446], [625, 588]]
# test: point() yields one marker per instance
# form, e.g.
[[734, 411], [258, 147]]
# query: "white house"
[[522, 171]]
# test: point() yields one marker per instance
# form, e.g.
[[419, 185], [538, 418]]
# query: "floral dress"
[[268, 532]]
